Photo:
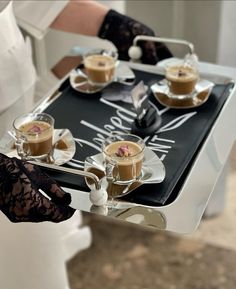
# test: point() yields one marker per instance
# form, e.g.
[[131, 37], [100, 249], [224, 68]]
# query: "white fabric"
[[36, 16], [31, 255], [16, 66], [9, 32]]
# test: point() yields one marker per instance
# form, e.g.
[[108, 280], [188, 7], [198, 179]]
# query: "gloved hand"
[[20, 198], [121, 30]]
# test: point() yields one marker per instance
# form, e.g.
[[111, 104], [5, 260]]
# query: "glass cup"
[[34, 134], [123, 157], [100, 67], [181, 80]]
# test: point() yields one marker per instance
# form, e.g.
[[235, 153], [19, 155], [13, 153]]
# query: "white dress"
[[17, 73], [31, 255]]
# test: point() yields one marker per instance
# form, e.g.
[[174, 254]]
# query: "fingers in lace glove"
[[20, 198], [44, 182], [121, 30]]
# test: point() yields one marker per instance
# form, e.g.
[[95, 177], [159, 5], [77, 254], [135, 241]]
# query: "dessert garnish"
[[100, 63], [123, 151], [35, 129], [61, 145], [181, 73]]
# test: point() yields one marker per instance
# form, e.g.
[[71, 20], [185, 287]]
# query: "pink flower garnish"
[[181, 73], [100, 63], [123, 151], [35, 129]]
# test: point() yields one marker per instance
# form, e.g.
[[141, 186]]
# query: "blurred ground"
[[125, 256]]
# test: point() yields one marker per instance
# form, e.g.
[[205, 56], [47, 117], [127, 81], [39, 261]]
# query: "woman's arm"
[[94, 19], [81, 16]]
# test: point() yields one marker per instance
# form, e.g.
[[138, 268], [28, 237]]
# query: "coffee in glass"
[[100, 69], [123, 155], [34, 133], [181, 80]]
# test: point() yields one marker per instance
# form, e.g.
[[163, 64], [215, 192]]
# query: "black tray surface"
[[178, 141]]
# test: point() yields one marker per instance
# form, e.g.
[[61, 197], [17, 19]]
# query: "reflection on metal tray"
[[200, 95], [153, 172], [63, 149]]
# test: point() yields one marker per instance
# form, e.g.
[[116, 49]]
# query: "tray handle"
[[98, 196], [135, 52]]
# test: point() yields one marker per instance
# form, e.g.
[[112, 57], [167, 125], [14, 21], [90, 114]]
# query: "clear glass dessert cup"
[[181, 80], [123, 157]]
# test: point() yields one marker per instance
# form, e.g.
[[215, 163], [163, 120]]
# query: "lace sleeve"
[[20, 196], [121, 30]]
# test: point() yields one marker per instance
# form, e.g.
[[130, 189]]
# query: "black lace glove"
[[20, 198], [121, 30]]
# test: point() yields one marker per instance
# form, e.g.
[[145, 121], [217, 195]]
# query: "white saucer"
[[79, 80], [64, 148], [199, 96]]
